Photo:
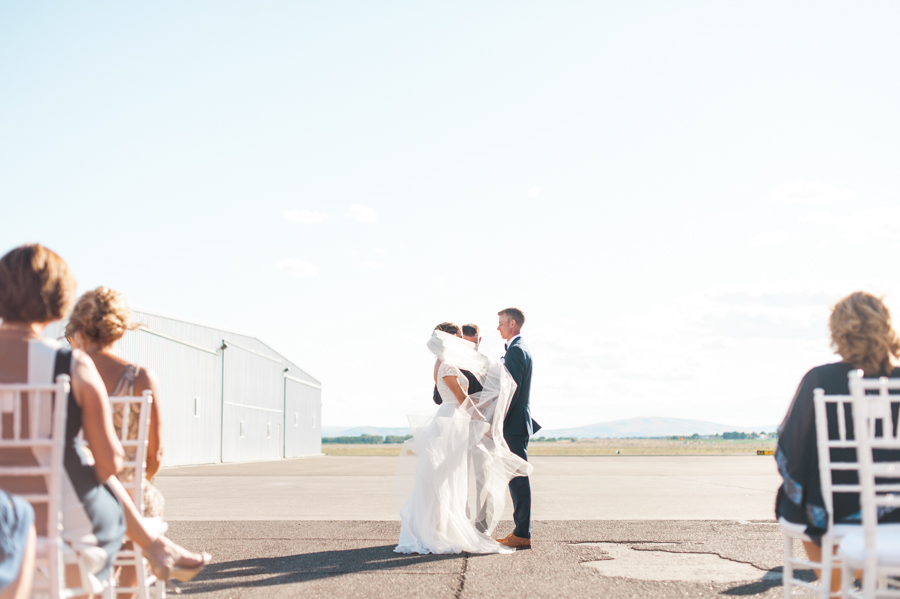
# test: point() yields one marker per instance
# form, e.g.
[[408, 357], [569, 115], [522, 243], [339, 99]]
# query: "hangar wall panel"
[[190, 388], [239, 403], [303, 416], [254, 406]]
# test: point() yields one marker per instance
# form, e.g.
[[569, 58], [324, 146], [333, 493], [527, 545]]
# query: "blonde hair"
[[513, 314], [101, 315], [862, 333]]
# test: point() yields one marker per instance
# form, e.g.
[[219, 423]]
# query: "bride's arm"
[[437, 365], [461, 397], [453, 383]]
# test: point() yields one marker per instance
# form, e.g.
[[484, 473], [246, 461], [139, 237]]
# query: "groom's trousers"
[[520, 489]]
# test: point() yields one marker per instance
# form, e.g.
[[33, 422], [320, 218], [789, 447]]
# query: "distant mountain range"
[[356, 431], [630, 427], [650, 427]]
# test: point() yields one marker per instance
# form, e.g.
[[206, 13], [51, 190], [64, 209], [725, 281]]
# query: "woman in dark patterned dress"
[[863, 335]]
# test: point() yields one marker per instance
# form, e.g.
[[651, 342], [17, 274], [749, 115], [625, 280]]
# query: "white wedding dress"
[[463, 465]]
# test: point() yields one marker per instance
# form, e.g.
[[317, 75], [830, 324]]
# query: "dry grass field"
[[595, 447]]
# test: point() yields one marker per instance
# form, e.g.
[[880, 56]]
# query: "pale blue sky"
[[673, 192]]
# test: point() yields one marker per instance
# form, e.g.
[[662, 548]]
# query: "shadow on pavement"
[[268, 571], [771, 579]]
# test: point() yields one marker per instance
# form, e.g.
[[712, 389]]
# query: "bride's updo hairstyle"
[[449, 327], [862, 333], [101, 315]]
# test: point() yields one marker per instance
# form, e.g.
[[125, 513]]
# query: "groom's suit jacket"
[[474, 387], [518, 420]]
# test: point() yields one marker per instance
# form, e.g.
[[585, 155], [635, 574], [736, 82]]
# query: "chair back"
[[845, 439], [128, 411], [34, 426], [875, 429], [131, 408]]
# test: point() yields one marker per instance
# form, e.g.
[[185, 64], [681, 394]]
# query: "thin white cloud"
[[303, 216], [370, 264], [361, 214], [534, 192], [771, 238], [297, 268], [810, 193]]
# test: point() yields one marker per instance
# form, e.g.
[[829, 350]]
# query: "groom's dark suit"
[[517, 428], [474, 387]]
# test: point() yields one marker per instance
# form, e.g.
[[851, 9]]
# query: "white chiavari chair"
[[835, 532], [34, 427], [136, 461], [875, 549]]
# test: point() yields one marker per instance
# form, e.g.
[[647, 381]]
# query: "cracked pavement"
[[356, 559], [655, 526]]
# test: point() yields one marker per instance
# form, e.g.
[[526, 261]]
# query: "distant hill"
[[343, 431], [630, 427], [650, 427]]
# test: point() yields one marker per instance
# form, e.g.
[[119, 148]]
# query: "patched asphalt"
[[356, 559]]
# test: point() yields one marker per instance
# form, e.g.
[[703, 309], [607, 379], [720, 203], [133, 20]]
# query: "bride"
[[463, 465]]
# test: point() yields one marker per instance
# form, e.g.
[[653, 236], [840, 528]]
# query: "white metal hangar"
[[225, 397]]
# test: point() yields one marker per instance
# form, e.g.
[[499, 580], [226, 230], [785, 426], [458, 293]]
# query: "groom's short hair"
[[513, 314], [470, 330]]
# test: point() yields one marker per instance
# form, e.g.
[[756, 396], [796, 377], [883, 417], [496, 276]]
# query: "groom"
[[518, 425]]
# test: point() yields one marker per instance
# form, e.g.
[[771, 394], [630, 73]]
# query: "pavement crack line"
[[633, 545], [461, 581], [719, 555]]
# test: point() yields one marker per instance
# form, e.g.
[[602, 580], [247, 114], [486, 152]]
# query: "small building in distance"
[[225, 397]]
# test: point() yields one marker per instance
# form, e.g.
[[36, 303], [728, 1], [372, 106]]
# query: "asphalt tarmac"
[[604, 527], [647, 558], [563, 488]]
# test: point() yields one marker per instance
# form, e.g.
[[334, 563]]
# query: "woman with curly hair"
[[863, 335], [99, 319]]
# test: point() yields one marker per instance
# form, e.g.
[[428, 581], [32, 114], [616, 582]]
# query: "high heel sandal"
[[163, 556], [187, 574]]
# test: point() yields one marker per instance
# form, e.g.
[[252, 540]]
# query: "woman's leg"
[[134, 523], [20, 588], [814, 552], [162, 553]]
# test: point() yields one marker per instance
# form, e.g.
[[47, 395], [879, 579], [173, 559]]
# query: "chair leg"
[[870, 579], [140, 570], [846, 579], [826, 565], [110, 591], [787, 573]]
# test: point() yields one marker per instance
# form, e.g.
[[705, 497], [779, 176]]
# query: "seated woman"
[[862, 334], [17, 546], [100, 318], [36, 288]]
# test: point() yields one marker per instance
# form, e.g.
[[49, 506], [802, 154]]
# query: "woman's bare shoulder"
[[144, 379]]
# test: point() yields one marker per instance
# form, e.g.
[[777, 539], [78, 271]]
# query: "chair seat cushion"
[[792, 529], [853, 546]]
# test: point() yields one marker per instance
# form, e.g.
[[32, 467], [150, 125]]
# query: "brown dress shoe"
[[504, 538], [515, 542]]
